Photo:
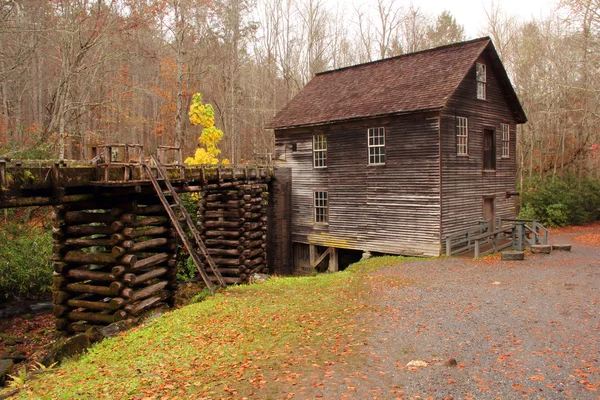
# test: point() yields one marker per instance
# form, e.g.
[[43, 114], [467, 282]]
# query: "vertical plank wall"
[[393, 208]]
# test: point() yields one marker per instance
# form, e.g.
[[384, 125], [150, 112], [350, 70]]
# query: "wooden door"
[[489, 212], [489, 149]]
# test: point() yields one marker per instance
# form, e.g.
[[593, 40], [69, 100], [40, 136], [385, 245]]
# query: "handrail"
[[539, 227], [496, 246], [539, 234], [517, 220], [463, 238]]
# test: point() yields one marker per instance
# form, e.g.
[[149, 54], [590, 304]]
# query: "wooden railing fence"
[[462, 241], [519, 233]]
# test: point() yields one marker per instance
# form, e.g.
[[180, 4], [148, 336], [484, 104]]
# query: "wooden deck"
[[48, 182]]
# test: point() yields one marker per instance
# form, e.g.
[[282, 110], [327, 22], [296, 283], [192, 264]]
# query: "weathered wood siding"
[[393, 208], [464, 182], [279, 229]]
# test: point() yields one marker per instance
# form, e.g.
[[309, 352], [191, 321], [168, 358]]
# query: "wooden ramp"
[[487, 248], [480, 240], [178, 214]]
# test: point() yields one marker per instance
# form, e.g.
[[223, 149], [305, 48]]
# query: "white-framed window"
[[481, 81], [462, 136], [321, 207], [505, 140], [320, 151], [376, 138]]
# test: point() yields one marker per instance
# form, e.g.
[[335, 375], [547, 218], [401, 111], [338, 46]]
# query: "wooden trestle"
[[115, 244]]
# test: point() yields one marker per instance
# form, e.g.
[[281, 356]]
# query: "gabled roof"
[[409, 83]]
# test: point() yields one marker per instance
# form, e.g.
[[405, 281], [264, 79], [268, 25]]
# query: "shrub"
[[37, 151], [186, 270], [562, 201], [25, 260]]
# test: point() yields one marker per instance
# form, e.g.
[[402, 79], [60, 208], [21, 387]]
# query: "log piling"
[[116, 257]]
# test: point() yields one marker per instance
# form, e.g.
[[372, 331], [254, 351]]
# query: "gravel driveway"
[[520, 329]]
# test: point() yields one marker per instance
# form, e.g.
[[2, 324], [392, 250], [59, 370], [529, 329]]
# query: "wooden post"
[[333, 260], [519, 226], [496, 241]]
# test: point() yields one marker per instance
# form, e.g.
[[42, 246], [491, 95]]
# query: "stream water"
[[16, 308]]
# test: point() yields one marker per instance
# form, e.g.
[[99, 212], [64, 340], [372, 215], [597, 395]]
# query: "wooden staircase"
[[183, 224]]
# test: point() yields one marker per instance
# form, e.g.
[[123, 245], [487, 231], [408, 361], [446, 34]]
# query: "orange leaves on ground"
[[579, 228], [589, 386], [536, 377], [592, 239]]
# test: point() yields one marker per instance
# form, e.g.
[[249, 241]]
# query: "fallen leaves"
[[589, 386], [592, 239]]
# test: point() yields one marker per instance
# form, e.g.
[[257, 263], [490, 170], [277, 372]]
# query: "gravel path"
[[520, 329]]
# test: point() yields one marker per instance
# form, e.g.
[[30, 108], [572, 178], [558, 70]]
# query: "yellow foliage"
[[204, 114], [202, 157]]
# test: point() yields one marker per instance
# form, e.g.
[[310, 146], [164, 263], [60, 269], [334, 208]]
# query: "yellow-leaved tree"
[[207, 151]]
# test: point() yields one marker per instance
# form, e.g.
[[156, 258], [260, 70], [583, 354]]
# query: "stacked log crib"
[[113, 258], [232, 219]]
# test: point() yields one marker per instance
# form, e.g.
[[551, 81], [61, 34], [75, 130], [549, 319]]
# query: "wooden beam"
[[321, 257], [333, 260]]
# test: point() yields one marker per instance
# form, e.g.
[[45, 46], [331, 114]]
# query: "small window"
[[319, 151], [505, 140], [481, 81], [462, 136], [321, 208], [376, 146]]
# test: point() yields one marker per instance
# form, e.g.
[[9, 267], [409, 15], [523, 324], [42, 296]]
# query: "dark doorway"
[[489, 149]]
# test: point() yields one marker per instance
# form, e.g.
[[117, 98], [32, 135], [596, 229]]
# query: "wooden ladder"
[[177, 214]]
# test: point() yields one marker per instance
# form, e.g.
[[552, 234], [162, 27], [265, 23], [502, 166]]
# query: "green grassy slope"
[[246, 341]]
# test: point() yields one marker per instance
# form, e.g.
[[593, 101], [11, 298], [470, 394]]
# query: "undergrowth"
[[248, 340], [25, 253], [562, 201]]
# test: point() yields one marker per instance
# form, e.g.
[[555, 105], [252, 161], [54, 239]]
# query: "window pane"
[[376, 142], [319, 151], [481, 90], [481, 77], [505, 140], [321, 207], [481, 73], [462, 136]]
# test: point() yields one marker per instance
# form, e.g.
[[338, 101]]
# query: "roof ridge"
[[446, 46]]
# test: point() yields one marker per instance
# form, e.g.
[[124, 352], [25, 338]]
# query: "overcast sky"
[[471, 13]]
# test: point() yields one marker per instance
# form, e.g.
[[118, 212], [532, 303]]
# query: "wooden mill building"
[[393, 155]]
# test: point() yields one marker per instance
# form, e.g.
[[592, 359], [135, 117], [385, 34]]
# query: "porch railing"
[[520, 233], [462, 241]]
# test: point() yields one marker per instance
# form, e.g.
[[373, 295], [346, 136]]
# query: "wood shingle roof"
[[405, 84]]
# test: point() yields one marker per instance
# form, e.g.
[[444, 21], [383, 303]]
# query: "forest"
[[75, 73]]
